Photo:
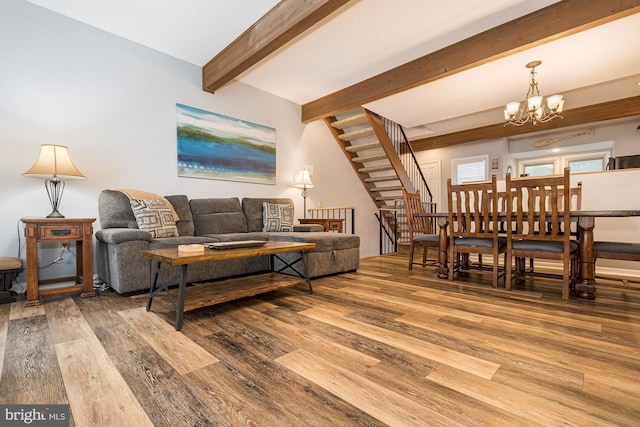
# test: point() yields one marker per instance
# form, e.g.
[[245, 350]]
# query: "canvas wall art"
[[214, 146]]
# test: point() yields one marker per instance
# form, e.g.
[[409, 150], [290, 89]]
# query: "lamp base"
[[55, 214], [55, 188]]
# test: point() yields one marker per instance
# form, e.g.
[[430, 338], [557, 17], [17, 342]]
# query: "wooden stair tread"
[[387, 198], [361, 147], [355, 120], [390, 188], [380, 168], [371, 158], [382, 178], [360, 133]]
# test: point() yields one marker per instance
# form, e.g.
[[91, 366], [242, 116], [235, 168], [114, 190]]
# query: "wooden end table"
[[79, 230], [329, 224]]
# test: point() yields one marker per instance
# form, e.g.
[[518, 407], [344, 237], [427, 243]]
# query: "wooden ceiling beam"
[[627, 107], [551, 23], [280, 25]]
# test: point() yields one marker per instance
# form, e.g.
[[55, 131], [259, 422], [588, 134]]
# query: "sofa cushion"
[[218, 216], [114, 210], [252, 208], [325, 241], [277, 217], [155, 217], [180, 204]]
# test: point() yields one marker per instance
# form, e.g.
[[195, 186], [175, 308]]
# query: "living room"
[[113, 103]]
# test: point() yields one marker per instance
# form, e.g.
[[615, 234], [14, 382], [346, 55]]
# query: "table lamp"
[[302, 180], [52, 164]]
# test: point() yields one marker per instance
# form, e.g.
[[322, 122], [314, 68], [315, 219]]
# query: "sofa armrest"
[[121, 235], [308, 227]]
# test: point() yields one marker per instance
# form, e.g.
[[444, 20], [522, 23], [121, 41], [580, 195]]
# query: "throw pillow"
[[155, 217], [277, 217]]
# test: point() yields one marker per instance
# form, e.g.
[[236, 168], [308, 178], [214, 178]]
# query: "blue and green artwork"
[[214, 146]]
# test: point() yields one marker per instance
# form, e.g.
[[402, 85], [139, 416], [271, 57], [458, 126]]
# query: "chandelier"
[[534, 109]]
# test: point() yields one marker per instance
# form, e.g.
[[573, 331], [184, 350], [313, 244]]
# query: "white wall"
[[112, 102]]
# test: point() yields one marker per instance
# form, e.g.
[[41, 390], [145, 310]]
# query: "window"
[[539, 170], [592, 161], [539, 166], [589, 162], [469, 169]]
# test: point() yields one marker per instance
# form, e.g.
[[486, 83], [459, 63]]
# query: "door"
[[431, 172]]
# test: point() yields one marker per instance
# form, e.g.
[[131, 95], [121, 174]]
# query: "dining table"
[[585, 286]]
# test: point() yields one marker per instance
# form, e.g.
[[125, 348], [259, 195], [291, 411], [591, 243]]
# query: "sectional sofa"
[[120, 239]]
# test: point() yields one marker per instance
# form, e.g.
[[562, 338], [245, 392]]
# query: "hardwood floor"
[[383, 346]]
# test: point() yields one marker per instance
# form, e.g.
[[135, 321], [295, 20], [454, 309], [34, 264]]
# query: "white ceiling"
[[368, 37]]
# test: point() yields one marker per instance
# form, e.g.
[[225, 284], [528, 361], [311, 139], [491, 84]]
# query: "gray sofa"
[[119, 241]]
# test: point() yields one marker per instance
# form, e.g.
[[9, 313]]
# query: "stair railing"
[[393, 228], [408, 159]]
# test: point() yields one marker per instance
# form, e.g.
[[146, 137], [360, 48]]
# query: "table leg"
[[586, 285], [181, 292], [154, 281], [84, 261], [443, 269]]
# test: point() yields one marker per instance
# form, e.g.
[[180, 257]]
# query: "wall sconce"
[[302, 180], [52, 164]]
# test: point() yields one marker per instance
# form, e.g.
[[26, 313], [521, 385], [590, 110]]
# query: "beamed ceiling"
[[538, 28], [443, 70]]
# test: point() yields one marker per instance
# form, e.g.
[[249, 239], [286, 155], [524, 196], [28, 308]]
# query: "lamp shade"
[[54, 161], [302, 179]]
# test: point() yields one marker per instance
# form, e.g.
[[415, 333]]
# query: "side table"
[[329, 224], [79, 230]]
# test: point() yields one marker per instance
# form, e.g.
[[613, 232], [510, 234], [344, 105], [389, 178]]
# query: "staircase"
[[381, 156]]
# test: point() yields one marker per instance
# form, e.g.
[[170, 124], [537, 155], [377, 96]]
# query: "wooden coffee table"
[[228, 289]]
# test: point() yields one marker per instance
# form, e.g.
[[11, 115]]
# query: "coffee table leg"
[[154, 281], [290, 265], [306, 270], [181, 291]]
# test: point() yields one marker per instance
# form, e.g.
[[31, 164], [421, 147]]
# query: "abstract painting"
[[214, 146]]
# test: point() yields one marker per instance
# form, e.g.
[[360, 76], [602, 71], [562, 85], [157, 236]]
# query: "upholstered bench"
[[9, 267]]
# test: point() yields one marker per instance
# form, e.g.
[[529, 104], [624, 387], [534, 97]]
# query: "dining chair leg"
[[424, 256], [452, 262], [411, 249], [496, 262], [507, 271], [565, 279]]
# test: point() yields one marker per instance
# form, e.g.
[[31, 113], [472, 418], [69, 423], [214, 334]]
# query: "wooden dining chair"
[[421, 233], [474, 228], [538, 226], [621, 251], [575, 203]]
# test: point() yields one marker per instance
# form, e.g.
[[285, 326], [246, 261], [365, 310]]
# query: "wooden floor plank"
[[97, 393], [31, 374], [363, 393], [178, 350], [439, 354], [5, 309], [525, 405], [163, 393], [64, 319]]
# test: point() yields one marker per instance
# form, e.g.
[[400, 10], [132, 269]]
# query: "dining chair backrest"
[[537, 211], [414, 205], [473, 209], [575, 197]]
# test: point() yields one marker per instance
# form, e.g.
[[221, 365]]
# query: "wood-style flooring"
[[381, 346]]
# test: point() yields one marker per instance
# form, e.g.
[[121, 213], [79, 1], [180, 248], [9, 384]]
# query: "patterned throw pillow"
[[155, 217], [277, 217]]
